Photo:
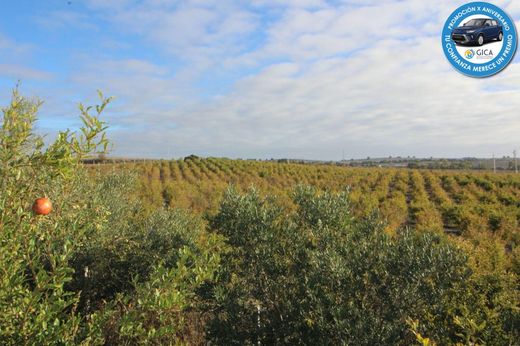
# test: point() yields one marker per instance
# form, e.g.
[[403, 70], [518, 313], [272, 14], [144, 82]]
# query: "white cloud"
[[21, 72], [369, 77], [188, 28], [61, 19], [13, 56], [10, 49]]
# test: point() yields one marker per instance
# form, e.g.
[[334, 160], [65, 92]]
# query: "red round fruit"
[[42, 206]]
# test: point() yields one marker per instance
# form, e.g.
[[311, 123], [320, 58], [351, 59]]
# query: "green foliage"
[[116, 263], [463, 203], [100, 269], [421, 340], [325, 210], [35, 250], [316, 276], [260, 263], [164, 308], [129, 244]]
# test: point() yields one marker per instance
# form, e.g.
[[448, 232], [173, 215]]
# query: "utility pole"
[[516, 164], [494, 164], [343, 155]]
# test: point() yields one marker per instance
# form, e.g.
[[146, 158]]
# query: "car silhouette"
[[478, 31]]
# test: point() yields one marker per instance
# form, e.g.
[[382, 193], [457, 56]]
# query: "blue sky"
[[262, 78]]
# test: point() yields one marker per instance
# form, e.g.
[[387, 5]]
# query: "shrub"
[[317, 276], [35, 250], [100, 269], [165, 308], [110, 270]]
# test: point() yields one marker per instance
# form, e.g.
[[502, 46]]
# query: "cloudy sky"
[[260, 78]]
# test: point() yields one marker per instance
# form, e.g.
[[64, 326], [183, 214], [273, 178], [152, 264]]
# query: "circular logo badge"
[[479, 39]]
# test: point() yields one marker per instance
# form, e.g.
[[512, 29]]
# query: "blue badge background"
[[447, 32]]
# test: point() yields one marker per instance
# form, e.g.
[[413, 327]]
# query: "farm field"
[[466, 203], [256, 173], [187, 252]]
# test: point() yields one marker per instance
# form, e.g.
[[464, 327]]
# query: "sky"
[[259, 79]]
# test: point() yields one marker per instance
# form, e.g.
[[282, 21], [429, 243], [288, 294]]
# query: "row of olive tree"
[[98, 269], [103, 269], [318, 276]]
